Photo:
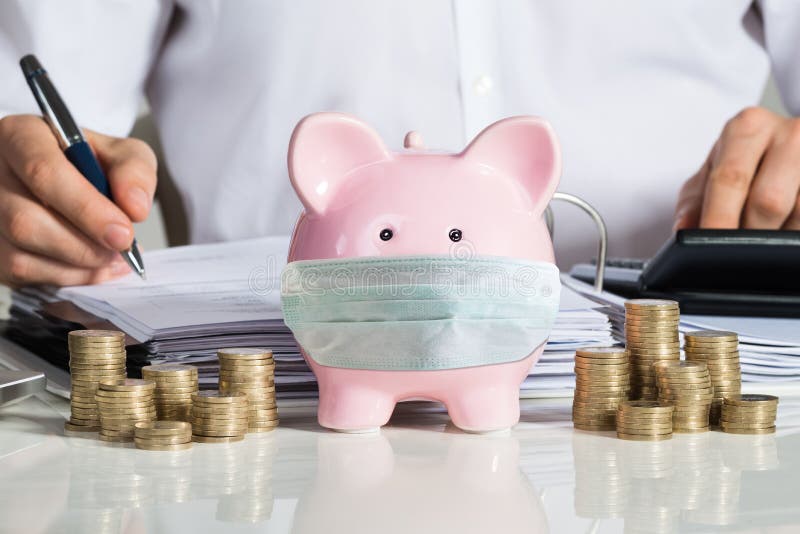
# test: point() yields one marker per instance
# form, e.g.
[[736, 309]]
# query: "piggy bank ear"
[[324, 148], [525, 149]]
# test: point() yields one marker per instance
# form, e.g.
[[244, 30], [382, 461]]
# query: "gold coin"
[[113, 402], [590, 413], [660, 304], [660, 431], [644, 417], [711, 342], [602, 352], [114, 439], [176, 390], [169, 369], [640, 406], [212, 419], [636, 437], [217, 439], [83, 386], [84, 412], [683, 366], [597, 403], [593, 428], [217, 397], [133, 385], [234, 365], [81, 365], [99, 350], [599, 368], [220, 408], [158, 447], [740, 414], [95, 334], [646, 324], [712, 334], [748, 424], [217, 424], [72, 427], [158, 428], [125, 401], [246, 365], [244, 352], [125, 421], [666, 335], [602, 372], [247, 376], [751, 399], [221, 432]]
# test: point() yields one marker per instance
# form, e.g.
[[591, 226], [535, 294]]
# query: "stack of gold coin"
[[651, 336], [644, 420], [687, 387], [602, 380], [163, 435], [122, 404], [219, 417], [749, 414], [251, 371], [94, 355], [175, 385], [720, 351]]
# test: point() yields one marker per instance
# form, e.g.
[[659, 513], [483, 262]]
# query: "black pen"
[[71, 140]]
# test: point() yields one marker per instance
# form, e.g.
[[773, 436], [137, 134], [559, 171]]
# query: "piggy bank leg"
[[484, 409], [347, 405]]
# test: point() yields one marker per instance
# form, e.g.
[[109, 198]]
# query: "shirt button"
[[482, 85]]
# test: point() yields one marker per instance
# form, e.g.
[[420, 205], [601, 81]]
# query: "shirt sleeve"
[[98, 55], [781, 19]]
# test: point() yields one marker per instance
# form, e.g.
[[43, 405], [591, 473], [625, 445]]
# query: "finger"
[[20, 268], [793, 221], [30, 226], [131, 168], [741, 146], [773, 194], [36, 159], [690, 198]]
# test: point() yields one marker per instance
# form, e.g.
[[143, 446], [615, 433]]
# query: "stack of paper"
[[769, 348], [203, 297]]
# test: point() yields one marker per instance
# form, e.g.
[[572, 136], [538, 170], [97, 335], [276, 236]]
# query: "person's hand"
[[55, 227], [750, 179]]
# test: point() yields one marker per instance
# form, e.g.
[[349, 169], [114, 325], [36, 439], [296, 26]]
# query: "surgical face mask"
[[419, 312]]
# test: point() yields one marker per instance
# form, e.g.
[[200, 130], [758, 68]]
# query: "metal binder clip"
[[601, 230]]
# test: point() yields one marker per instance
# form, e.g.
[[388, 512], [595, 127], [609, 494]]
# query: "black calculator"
[[715, 272]]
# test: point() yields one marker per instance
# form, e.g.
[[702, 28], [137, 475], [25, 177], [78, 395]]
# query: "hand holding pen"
[[56, 226]]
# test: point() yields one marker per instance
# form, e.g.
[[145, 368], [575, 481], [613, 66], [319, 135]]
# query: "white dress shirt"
[[637, 91]]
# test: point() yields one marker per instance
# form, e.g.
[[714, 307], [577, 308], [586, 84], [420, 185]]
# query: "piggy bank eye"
[[386, 234], [455, 235]]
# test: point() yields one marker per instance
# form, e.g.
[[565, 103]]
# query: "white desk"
[[417, 475]]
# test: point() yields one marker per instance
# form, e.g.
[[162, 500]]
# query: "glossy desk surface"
[[417, 475]]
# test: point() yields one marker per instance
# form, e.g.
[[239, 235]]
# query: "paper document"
[[203, 297], [769, 348]]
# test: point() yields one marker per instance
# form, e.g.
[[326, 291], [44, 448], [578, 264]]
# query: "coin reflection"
[[424, 482], [660, 486]]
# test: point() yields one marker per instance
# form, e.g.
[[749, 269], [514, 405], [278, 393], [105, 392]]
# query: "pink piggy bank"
[[369, 207]]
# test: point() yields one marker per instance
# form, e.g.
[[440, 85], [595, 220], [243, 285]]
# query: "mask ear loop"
[[602, 232]]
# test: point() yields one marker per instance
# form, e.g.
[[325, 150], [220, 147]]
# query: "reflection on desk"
[[418, 475]]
